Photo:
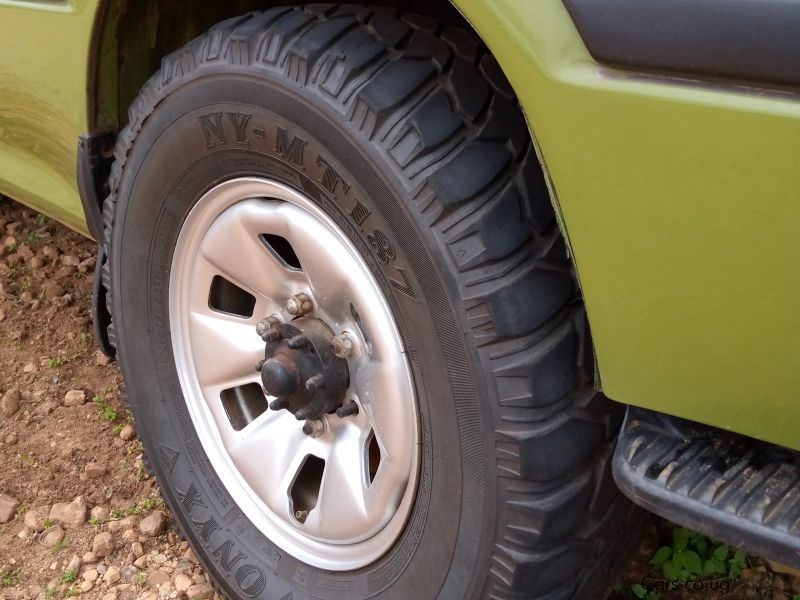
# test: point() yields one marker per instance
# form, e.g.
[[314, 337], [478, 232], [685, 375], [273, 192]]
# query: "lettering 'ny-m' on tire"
[[379, 164]]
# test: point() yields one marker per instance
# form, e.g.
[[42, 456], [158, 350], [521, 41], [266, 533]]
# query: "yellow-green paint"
[[681, 201], [682, 204], [44, 64]]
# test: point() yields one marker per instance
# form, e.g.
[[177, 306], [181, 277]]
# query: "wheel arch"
[[123, 58]]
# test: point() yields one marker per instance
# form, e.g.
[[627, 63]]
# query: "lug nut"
[[343, 345], [301, 515], [299, 305], [314, 427], [266, 328]]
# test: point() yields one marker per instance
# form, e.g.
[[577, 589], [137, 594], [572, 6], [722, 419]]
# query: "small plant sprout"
[[55, 362], [69, 576], [8, 579]]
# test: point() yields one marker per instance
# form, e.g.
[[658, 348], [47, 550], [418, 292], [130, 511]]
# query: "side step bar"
[[732, 488]]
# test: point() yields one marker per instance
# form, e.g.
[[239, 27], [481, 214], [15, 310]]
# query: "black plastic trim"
[[95, 156], [755, 42], [732, 488]]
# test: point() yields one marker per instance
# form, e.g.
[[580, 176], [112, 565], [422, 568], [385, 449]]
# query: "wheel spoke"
[[268, 454], [233, 248], [376, 386], [224, 349], [341, 507], [330, 269]]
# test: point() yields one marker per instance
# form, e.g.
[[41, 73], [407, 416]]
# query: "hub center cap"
[[301, 370]]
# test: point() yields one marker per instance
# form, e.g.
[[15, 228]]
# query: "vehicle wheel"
[[347, 199]]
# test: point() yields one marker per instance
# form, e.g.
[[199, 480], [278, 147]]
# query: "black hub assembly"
[[301, 370]]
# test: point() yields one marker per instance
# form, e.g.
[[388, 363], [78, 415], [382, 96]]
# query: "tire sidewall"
[[174, 161]]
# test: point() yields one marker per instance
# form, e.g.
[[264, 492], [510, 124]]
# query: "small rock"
[[91, 575], [9, 404], [99, 514], [101, 359], [30, 368], [200, 592], [183, 583], [12, 438], [112, 575], [137, 549], [52, 290], [8, 508], [165, 590], [112, 595], [75, 398], [52, 536], [70, 261], [157, 578], [89, 558], [129, 571], [71, 514], [35, 263], [154, 524], [129, 535], [140, 563], [184, 566], [101, 569], [127, 433], [86, 264], [74, 564], [26, 533], [85, 586], [94, 470], [129, 522], [103, 544], [34, 518]]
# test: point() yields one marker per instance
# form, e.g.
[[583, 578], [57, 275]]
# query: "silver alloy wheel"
[[366, 486]]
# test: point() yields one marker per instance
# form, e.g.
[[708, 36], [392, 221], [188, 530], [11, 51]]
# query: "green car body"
[[680, 200]]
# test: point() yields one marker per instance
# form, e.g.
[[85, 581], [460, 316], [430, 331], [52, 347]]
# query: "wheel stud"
[[314, 427], [278, 404], [314, 382], [343, 345], [299, 305], [303, 413], [348, 409], [297, 341]]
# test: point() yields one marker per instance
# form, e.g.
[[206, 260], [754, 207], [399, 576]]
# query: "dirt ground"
[[78, 514]]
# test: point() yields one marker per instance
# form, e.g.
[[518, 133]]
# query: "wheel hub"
[[301, 370]]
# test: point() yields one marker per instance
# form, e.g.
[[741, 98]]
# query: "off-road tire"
[[516, 487]]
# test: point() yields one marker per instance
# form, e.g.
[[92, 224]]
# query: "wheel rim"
[[229, 271]]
